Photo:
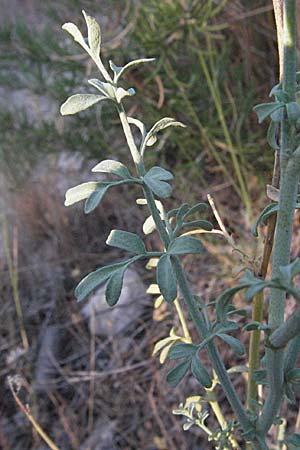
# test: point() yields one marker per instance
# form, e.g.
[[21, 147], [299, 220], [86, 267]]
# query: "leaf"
[[185, 245], [104, 87], [264, 110], [251, 326], [176, 374], [288, 272], [149, 225], [138, 124], [294, 439], [155, 179], [202, 224], [119, 71], [94, 279], [279, 94], [272, 135], [182, 351], [121, 93], [74, 31], [94, 35], [161, 125], [234, 343], [293, 375], [112, 166], [293, 111], [95, 198], [223, 301], [260, 376], [270, 209], [166, 279], [114, 287], [198, 208], [255, 289], [79, 102], [181, 213], [126, 241], [80, 192], [200, 373]]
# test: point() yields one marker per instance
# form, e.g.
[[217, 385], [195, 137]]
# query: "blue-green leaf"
[[234, 343], [294, 439], [184, 208], [293, 111], [288, 272], [182, 351], [166, 278], [155, 179], [95, 198], [94, 279], [202, 224], [99, 276], [126, 241], [272, 135], [255, 289], [198, 208], [114, 286], [79, 102], [176, 374], [185, 245], [264, 110], [270, 209], [200, 373], [112, 166]]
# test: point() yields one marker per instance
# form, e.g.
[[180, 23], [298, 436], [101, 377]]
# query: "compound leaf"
[[155, 179]]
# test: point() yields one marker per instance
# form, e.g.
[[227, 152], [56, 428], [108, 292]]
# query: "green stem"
[[290, 168]]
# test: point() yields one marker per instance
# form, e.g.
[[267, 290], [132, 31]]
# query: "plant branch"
[[290, 168]]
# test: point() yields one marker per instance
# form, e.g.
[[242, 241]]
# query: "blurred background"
[[88, 378]]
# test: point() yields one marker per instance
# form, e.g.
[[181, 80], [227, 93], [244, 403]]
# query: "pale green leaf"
[[104, 87], [79, 102], [126, 241], [122, 93], [80, 192], [149, 225], [96, 197], [119, 71], [75, 33], [112, 166], [94, 35], [138, 124]]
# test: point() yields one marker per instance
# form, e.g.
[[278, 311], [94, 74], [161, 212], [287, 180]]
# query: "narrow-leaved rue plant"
[[277, 370]]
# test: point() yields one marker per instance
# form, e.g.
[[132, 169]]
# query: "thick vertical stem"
[[290, 169]]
